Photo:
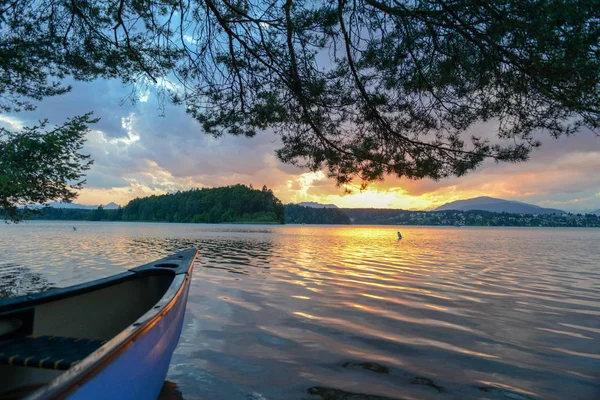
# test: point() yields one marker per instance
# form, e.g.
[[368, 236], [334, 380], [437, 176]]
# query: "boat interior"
[[43, 336]]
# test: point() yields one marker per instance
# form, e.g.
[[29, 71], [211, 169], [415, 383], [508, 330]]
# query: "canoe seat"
[[52, 352]]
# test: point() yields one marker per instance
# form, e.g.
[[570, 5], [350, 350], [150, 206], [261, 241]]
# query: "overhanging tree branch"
[[362, 89]]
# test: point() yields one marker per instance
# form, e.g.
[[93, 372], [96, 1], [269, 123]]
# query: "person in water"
[[399, 236]]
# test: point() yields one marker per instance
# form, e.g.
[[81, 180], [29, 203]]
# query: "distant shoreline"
[[74, 221], [151, 222]]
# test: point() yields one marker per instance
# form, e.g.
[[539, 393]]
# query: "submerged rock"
[[380, 369], [337, 394], [419, 380], [505, 392]]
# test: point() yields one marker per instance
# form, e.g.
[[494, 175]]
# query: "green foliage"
[[231, 204], [98, 214], [44, 41], [295, 214], [38, 166], [404, 83]]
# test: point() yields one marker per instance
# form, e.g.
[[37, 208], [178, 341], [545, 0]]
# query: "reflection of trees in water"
[[236, 255], [18, 280]]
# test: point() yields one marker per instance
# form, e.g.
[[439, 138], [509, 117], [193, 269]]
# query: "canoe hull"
[[140, 371], [108, 339]]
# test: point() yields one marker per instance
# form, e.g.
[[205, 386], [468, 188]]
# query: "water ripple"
[[305, 312]]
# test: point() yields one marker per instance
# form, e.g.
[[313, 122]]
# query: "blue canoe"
[[108, 339]]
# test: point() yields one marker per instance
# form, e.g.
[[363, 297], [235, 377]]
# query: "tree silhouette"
[[360, 88], [37, 166]]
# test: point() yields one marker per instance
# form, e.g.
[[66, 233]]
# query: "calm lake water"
[[324, 312]]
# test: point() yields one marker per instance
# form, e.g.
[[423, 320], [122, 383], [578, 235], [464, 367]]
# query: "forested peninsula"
[[230, 204]]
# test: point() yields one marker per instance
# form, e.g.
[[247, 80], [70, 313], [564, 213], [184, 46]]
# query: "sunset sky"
[[137, 153]]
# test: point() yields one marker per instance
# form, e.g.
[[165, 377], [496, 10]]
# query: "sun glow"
[[373, 198], [392, 193]]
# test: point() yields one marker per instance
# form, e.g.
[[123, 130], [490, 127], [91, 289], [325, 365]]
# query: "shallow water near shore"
[[350, 312]]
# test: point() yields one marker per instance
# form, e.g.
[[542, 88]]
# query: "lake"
[[331, 312]]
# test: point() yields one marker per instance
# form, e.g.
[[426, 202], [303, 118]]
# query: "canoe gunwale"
[[79, 374], [150, 269]]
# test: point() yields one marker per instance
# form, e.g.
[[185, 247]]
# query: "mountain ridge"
[[486, 203], [110, 206], [313, 204]]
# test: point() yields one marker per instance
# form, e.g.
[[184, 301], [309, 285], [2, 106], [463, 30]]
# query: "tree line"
[[295, 214], [364, 216], [221, 205], [243, 204], [230, 204]]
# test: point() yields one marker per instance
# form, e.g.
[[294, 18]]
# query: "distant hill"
[[497, 205], [109, 206], [597, 212], [312, 204]]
